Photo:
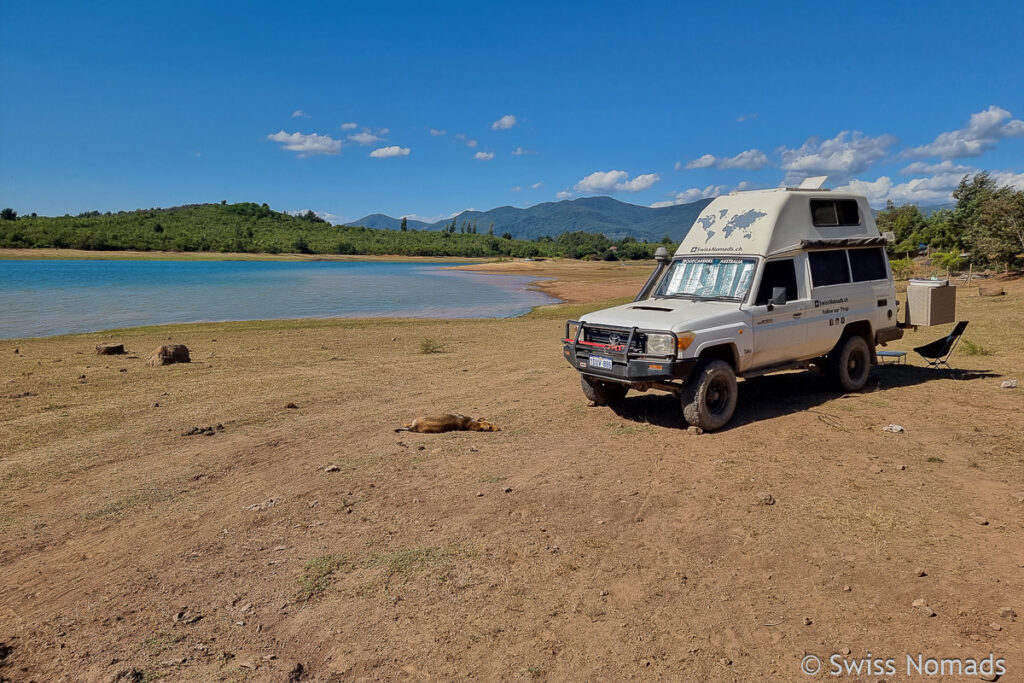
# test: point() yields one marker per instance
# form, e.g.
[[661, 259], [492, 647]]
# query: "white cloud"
[[306, 145], [947, 166], [299, 114], [352, 125], [536, 185], [484, 156], [392, 151], [383, 131], [437, 132], [564, 194], [364, 138], [693, 194], [751, 160], [839, 157], [746, 117], [1014, 180], [517, 188], [615, 181], [706, 161], [936, 189], [520, 151], [468, 141], [504, 123], [983, 130]]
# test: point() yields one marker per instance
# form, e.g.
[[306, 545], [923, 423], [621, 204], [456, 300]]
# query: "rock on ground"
[[168, 354], [110, 349]]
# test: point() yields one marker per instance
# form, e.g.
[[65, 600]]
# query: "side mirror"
[[778, 296]]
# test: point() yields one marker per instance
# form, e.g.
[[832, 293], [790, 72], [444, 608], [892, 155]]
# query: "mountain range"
[[605, 215]]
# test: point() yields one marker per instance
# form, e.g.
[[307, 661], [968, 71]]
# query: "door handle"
[[797, 315]]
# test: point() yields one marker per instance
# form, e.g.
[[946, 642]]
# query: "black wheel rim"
[[716, 398], [855, 365]]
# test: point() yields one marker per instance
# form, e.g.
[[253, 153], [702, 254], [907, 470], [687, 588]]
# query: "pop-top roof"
[[767, 222]]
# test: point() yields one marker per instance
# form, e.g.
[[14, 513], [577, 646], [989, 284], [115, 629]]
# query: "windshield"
[[707, 278]]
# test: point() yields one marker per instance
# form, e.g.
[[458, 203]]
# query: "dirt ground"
[[313, 543]]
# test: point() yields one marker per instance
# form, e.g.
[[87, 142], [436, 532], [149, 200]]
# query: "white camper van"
[[764, 281]]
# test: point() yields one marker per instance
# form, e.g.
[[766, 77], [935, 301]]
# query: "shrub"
[[970, 348], [902, 268], [429, 345]]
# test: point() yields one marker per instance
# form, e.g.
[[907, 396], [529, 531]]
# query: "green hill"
[[256, 228]]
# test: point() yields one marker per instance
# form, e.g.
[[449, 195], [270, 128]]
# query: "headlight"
[[573, 329], [661, 344]]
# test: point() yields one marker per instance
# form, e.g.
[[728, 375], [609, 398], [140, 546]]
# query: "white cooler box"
[[930, 302]]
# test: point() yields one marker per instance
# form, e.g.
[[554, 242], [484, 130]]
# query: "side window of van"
[[829, 213], [867, 264], [829, 268], [777, 274]]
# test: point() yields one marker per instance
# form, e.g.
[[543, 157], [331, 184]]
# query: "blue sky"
[[120, 105]]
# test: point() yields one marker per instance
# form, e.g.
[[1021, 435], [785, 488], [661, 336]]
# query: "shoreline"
[[572, 284], [49, 253]]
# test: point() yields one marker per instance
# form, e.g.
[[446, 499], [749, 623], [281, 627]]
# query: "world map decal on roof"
[[742, 221]]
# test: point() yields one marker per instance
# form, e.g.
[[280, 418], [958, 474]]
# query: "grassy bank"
[[88, 254]]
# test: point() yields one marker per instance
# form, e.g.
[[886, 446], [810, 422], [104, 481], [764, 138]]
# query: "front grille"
[[615, 339]]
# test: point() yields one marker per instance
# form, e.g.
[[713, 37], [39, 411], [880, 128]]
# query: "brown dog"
[[448, 423]]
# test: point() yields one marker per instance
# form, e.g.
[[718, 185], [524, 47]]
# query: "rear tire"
[[849, 364], [602, 393], [709, 396]]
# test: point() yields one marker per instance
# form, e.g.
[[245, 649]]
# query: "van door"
[[780, 332]]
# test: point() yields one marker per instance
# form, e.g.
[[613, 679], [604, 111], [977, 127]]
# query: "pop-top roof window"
[[834, 212]]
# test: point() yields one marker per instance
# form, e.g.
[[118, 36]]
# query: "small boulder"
[[1008, 384], [765, 498], [894, 429], [1007, 613], [169, 354], [110, 349], [991, 291], [922, 606]]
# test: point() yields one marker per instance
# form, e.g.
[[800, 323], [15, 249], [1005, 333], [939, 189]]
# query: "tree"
[[8, 214], [906, 222], [405, 225], [999, 233], [506, 236]]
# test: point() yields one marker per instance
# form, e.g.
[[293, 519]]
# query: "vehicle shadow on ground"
[[771, 396]]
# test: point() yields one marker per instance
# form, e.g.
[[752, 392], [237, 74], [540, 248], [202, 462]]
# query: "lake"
[[47, 297]]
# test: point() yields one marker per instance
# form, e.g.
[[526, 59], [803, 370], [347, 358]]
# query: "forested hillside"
[[985, 227], [605, 215], [256, 228]]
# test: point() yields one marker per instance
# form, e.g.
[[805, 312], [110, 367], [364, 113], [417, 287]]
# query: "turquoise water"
[[47, 297]]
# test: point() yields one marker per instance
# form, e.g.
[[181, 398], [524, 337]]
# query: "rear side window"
[[827, 213], [829, 268], [777, 274], [867, 264]]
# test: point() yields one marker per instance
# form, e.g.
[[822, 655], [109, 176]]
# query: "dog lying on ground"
[[448, 423]]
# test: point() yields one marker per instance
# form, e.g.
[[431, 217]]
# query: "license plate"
[[601, 362]]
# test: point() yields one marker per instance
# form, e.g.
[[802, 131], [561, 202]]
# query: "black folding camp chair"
[[937, 353]]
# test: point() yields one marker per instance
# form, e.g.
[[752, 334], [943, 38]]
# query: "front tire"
[[602, 393], [709, 396], [849, 364]]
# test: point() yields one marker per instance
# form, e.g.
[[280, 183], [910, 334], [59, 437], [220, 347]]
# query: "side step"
[[797, 365]]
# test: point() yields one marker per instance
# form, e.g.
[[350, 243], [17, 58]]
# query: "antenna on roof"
[[813, 183]]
